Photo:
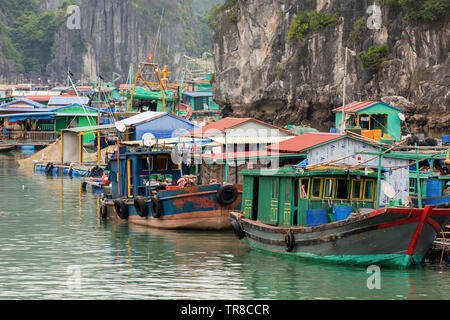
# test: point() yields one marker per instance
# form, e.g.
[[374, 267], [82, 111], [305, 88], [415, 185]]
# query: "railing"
[[41, 136]]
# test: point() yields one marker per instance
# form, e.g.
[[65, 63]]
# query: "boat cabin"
[[141, 170], [307, 198]]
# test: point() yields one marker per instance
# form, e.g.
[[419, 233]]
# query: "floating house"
[[373, 119], [32, 121], [161, 124], [202, 105], [349, 151]]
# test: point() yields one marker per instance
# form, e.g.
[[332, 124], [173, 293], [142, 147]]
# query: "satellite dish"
[[402, 116], [121, 126], [148, 139], [388, 190]]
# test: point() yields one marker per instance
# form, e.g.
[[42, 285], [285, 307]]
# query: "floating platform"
[[72, 170]]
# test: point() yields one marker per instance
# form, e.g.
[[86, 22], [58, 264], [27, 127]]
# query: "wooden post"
[[419, 186], [118, 166], [99, 154], [377, 204]]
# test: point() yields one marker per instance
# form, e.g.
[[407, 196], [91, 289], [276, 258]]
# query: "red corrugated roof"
[[356, 106], [242, 155], [303, 142], [228, 123]]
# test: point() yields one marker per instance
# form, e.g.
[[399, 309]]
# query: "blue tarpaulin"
[[26, 116], [302, 164]]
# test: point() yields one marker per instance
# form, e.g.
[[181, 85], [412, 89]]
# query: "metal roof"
[[64, 101], [198, 94], [91, 128], [250, 140], [228, 123], [141, 118], [305, 141], [357, 106], [34, 104]]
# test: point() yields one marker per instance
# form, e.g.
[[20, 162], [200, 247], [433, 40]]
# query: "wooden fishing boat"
[[144, 192], [333, 215]]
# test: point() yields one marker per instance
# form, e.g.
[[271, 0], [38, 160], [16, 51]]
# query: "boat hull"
[[386, 237], [189, 208]]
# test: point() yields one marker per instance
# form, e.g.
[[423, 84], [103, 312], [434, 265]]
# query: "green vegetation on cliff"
[[216, 11], [29, 40], [306, 21], [427, 11], [372, 59]]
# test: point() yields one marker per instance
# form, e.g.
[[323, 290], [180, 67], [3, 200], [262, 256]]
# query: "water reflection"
[[49, 226]]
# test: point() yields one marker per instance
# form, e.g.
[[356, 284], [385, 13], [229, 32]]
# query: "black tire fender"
[[48, 167], [104, 212], [121, 209], [140, 204], [156, 207], [238, 232], [289, 240], [223, 194]]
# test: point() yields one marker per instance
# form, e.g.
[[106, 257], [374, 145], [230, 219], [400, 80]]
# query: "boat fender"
[[238, 232], [227, 194], [289, 240], [48, 167], [103, 212], [121, 209], [156, 207], [141, 206]]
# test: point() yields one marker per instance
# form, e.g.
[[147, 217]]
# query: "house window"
[[356, 189], [316, 187], [162, 163], [368, 189], [328, 191], [174, 166], [304, 188], [342, 189]]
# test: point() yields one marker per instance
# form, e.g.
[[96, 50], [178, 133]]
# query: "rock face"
[[260, 73], [115, 34]]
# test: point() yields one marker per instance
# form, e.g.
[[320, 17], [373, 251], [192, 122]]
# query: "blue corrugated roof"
[[27, 101], [198, 94], [65, 101]]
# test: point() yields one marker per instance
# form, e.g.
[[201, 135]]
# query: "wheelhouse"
[[289, 197]]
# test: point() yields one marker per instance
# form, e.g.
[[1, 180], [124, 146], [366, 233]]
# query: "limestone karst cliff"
[[113, 34], [262, 72]]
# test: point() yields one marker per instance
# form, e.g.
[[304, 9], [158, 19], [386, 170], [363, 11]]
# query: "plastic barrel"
[[333, 130], [27, 147], [55, 170], [342, 212], [445, 139], [316, 217], [434, 188]]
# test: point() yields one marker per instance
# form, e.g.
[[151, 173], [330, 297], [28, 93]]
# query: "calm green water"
[[54, 246]]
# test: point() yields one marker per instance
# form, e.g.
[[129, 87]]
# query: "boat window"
[[368, 189], [316, 187], [275, 188], [304, 187], [145, 164], [356, 189], [162, 163], [328, 191], [342, 189]]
